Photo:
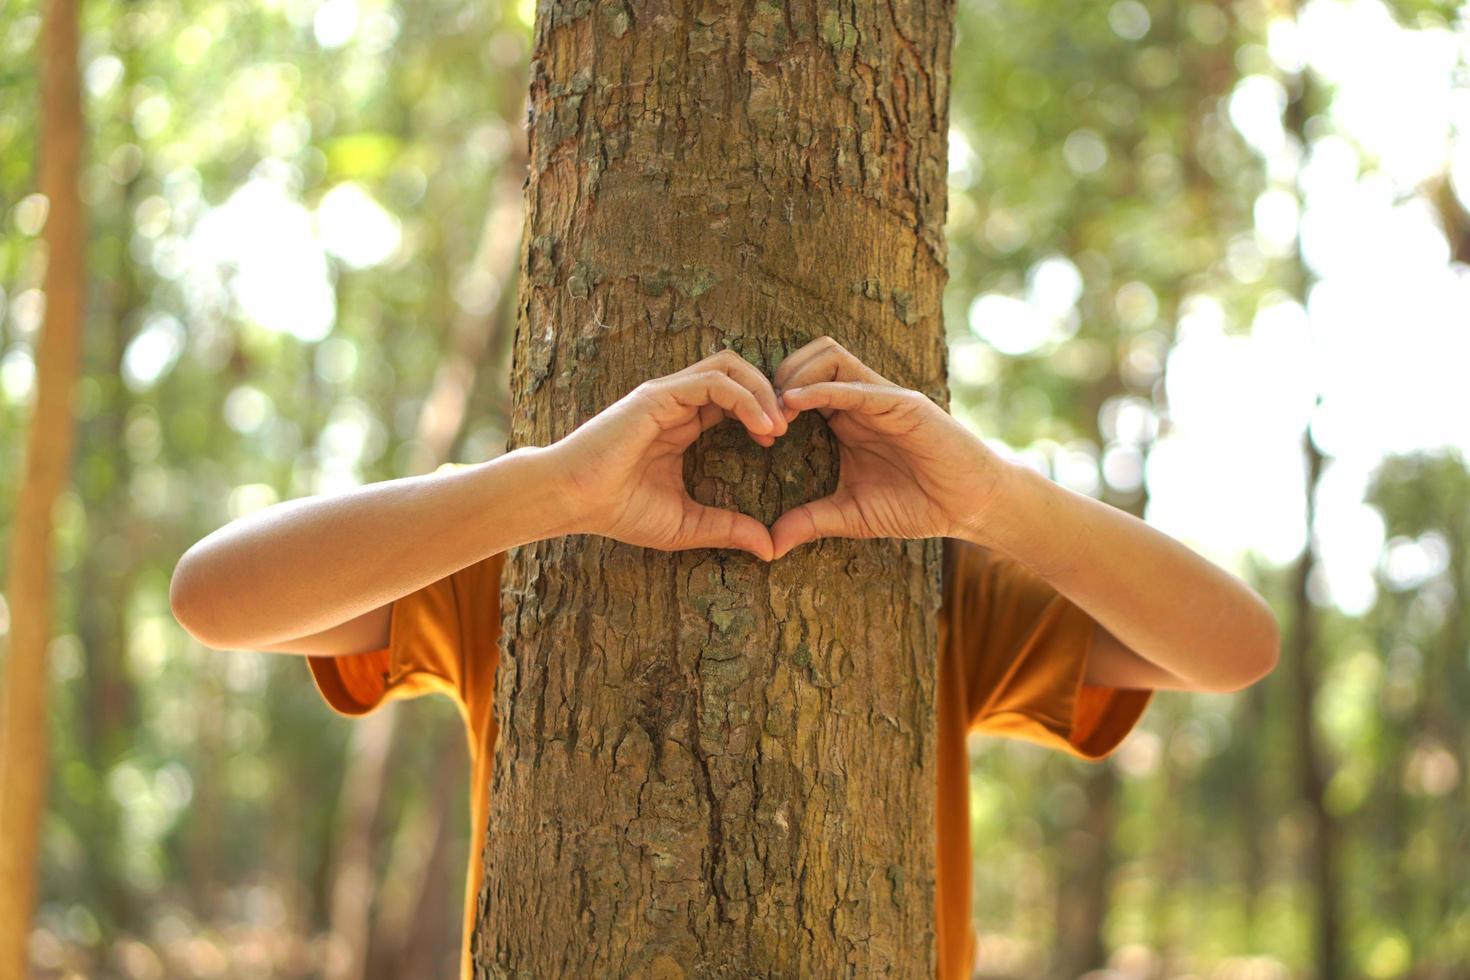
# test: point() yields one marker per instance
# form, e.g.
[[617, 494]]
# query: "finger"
[[802, 355], [820, 518], [711, 527], [824, 359], [712, 415], [832, 366], [695, 391], [748, 376], [850, 396]]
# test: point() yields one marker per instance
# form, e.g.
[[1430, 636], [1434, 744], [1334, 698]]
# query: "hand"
[[625, 466], [909, 469]]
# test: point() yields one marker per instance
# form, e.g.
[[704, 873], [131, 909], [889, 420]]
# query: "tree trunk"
[[417, 933], [440, 420], [1251, 816], [108, 571], [353, 881], [47, 463], [1085, 875], [707, 764], [1301, 648]]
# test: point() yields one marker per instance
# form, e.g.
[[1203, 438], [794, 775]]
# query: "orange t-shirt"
[[1012, 661]]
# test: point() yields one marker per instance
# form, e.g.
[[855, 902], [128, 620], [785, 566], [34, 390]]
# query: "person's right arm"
[[318, 575]]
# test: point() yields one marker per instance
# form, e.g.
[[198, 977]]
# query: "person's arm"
[[1164, 617], [322, 570], [318, 575], [1192, 624]]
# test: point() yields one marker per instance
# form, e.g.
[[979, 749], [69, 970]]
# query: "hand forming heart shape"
[[908, 469]]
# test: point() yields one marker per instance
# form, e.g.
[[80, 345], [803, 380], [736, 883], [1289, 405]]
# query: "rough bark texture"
[[23, 740], [707, 765]]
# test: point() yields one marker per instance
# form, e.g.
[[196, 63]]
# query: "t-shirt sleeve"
[[1023, 648], [442, 638]]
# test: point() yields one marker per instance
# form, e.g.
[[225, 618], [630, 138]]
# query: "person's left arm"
[[1164, 617]]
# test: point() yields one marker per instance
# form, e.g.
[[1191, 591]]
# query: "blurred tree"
[[441, 419], [23, 741], [1302, 652], [1420, 798], [1096, 196], [107, 572], [1303, 649]]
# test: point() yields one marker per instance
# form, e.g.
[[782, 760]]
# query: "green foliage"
[[194, 794]]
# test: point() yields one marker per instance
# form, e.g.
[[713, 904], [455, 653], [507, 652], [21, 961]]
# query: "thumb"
[[711, 527], [820, 518]]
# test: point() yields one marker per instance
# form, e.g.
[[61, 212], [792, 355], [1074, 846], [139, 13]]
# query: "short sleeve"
[[442, 638], [1023, 648]]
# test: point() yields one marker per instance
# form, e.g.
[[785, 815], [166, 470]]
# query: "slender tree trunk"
[[706, 764], [1455, 891], [1303, 651], [47, 465], [1250, 815], [353, 879], [409, 937], [473, 337], [108, 568], [1087, 872], [106, 577], [440, 420], [1084, 876], [293, 850]]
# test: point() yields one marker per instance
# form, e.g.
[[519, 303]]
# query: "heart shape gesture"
[[908, 468]]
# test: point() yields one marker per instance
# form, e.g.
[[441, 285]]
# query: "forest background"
[[1208, 259]]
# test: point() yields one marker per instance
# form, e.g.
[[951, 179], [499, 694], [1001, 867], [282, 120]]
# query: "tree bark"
[[708, 765], [47, 464]]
